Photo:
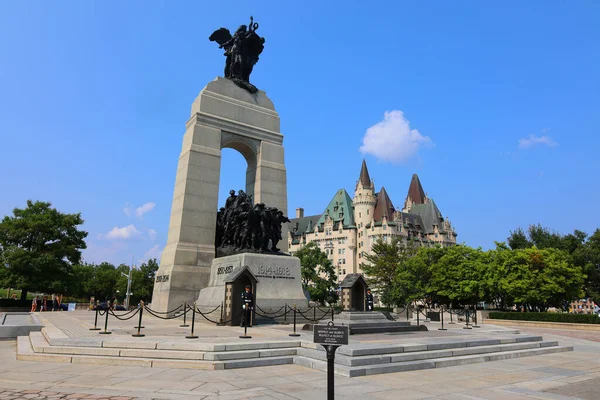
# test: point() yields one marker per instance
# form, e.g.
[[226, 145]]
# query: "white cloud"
[[533, 140], [392, 139], [126, 232], [154, 252], [152, 234], [144, 208]]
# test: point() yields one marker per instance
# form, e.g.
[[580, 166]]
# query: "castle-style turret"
[[364, 198], [416, 194]]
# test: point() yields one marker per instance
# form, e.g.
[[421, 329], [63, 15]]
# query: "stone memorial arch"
[[222, 116]]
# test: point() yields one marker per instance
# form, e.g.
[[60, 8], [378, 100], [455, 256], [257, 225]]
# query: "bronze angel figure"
[[242, 51]]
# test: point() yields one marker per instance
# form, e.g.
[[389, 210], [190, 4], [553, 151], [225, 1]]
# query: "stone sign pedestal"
[[223, 116], [275, 280]]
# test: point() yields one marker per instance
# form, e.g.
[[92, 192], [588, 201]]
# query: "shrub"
[[547, 317]]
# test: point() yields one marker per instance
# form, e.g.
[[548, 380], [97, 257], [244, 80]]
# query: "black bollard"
[[417, 316], [332, 313], [407, 308], [95, 328], [221, 319], [442, 316], [138, 334], [314, 314], [191, 335], [475, 318], [294, 334], [185, 325], [106, 332], [247, 315], [285, 310]]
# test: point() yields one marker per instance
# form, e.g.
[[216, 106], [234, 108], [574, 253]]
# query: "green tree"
[[383, 265], [590, 254], [538, 279], [105, 281], [142, 283], [456, 278], [39, 245], [318, 273], [412, 281], [518, 240]]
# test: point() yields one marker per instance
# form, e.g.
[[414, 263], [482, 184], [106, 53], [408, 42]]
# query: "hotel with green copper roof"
[[348, 227]]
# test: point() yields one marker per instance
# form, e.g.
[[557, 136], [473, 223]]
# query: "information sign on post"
[[330, 337], [331, 334]]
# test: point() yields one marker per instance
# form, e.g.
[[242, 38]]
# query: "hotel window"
[[343, 251], [359, 215], [367, 212], [360, 255], [384, 227], [344, 271]]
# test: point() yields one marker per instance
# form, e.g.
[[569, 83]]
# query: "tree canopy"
[[318, 273], [39, 246]]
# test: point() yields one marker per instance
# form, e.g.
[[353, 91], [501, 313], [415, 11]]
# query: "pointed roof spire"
[[384, 206], [415, 190], [365, 179]]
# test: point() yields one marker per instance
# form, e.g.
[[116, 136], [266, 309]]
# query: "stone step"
[[355, 361], [25, 352], [355, 350], [258, 362], [425, 364]]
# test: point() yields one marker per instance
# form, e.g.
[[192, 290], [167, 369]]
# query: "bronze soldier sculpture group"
[[244, 226]]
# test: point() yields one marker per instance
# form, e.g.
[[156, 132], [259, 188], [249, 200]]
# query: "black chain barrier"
[[132, 312], [197, 310], [268, 316], [271, 312], [154, 314], [167, 312]]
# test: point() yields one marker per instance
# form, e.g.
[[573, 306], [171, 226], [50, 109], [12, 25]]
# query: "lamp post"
[[128, 276]]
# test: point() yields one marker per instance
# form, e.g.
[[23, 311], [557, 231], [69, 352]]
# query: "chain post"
[[106, 331], [185, 325], [294, 334], [95, 328], [191, 335], [141, 307]]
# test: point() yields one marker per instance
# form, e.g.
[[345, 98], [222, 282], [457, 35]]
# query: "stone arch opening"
[[249, 149]]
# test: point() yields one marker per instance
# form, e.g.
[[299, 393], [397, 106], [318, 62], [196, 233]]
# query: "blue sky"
[[495, 106]]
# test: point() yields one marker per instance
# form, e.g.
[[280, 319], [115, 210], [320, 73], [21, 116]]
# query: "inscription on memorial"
[[274, 272], [162, 278], [225, 270]]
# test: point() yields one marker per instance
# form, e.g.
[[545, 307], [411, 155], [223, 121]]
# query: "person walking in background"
[[33, 305], [54, 302], [44, 304], [59, 302]]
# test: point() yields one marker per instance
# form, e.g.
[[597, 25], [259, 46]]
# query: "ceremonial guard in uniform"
[[369, 300], [247, 306]]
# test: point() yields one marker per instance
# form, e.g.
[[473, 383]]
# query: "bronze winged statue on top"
[[242, 51]]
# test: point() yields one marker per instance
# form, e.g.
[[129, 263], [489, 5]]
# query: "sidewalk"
[[563, 376]]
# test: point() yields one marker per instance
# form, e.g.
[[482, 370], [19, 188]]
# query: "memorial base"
[[275, 281]]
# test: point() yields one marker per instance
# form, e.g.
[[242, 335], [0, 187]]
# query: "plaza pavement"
[[561, 376]]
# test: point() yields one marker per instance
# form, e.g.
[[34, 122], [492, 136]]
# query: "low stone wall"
[[543, 324]]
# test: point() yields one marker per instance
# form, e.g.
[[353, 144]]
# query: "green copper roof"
[[340, 209], [430, 215]]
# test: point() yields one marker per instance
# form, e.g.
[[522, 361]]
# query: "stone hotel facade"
[[348, 227]]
